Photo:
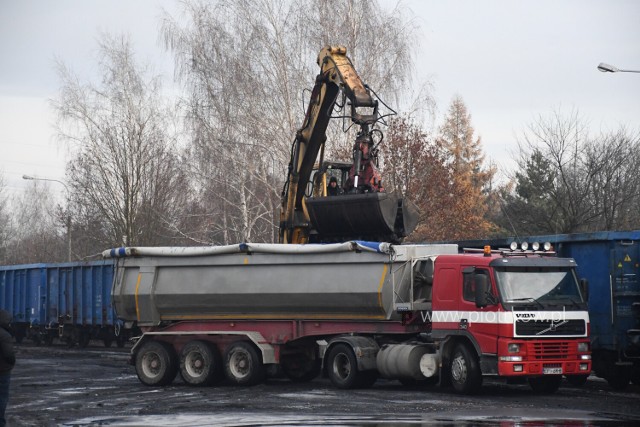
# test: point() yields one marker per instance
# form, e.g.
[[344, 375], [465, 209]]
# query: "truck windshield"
[[539, 286]]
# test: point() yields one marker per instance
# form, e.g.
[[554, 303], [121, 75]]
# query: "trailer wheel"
[[243, 364], [200, 363], [464, 369], [342, 367], [300, 368], [577, 380], [156, 363], [545, 385]]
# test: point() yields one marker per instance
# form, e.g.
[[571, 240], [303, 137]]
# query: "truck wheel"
[[618, 380], [200, 363], [300, 368], [465, 370], [342, 367], [243, 364], [156, 363], [577, 380], [545, 385]]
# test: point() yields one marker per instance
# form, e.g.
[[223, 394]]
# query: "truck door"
[[481, 322]]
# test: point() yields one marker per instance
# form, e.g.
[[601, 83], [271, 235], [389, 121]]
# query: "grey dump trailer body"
[[262, 281]]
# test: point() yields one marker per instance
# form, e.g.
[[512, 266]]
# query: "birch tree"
[[125, 177], [245, 66]]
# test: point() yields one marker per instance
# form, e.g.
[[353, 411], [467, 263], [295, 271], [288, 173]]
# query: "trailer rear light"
[[584, 366], [513, 348], [585, 357], [511, 358], [517, 368], [583, 347]]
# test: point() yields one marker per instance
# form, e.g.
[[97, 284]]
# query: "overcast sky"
[[509, 60]]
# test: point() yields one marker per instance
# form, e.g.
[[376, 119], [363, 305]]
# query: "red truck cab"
[[511, 316]]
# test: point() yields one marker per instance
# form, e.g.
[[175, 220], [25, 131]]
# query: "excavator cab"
[[362, 210]]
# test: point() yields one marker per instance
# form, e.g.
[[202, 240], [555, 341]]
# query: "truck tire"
[[546, 385], [342, 367], [243, 364], [300, 368], [200, 363], [577, 380], [156, 363], [618, 380], [464, 369]]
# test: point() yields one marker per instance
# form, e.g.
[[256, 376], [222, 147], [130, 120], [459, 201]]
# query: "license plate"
[[552, 371]]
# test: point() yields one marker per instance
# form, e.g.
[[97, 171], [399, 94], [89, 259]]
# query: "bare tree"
[[245, 65], [4, 221], [36, 233], [569, 181], [125, 179], [615, 188]]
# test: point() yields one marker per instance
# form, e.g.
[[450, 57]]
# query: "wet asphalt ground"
[[95, 386]]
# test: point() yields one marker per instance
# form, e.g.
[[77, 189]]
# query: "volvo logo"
[[552, 327]]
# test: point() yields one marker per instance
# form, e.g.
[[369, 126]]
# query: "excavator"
[[362, 210]]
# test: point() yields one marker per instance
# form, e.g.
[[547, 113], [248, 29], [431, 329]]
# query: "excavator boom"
[[364, 211]]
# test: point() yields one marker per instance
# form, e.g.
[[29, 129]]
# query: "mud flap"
[[369, 216]]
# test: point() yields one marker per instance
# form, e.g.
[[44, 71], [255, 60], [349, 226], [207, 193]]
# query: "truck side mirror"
[[483, 297], [584, 288]]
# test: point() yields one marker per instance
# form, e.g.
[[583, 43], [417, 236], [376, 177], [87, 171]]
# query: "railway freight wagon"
[[66, 301], [610, 261]]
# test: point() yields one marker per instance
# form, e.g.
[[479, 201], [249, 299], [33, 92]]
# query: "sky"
[[510, 61]]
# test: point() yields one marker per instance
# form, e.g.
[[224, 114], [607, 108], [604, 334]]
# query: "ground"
[[96, 386]]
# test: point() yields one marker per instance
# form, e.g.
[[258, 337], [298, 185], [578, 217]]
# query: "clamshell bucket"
[[369, 216]]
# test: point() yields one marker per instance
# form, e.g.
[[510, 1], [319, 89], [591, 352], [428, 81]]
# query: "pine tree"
[[470, 180]]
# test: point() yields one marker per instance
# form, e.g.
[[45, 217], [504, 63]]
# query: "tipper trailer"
[[356, 311]]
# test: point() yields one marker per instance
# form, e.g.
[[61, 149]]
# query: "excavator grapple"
[[370, 216]]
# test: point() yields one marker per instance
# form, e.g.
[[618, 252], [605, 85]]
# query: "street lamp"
[[35, 178], [606, 68]]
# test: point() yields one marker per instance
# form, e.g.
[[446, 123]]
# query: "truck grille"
[[538, 328], [549, 350]]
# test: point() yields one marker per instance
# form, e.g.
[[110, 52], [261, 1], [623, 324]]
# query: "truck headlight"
[[511, 358], [513, 347], [583, 347]]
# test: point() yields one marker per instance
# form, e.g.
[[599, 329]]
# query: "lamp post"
[[35, 178], [606, 68]]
